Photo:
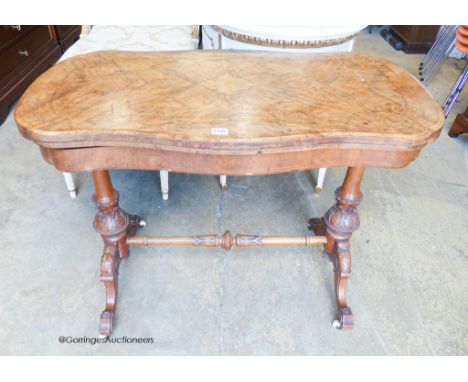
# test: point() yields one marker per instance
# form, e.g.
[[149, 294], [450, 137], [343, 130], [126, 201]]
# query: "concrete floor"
[[408, 290]]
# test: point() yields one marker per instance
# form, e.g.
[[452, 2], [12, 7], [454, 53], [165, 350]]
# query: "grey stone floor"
[[408, 290]]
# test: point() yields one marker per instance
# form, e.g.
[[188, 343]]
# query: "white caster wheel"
[[142, 223], [336, 324]]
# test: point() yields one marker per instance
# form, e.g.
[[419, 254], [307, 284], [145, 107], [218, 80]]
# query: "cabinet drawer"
[[10, 33], [21, 52]]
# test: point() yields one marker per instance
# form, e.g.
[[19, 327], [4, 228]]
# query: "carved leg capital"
[[113, 223], [342, 218]]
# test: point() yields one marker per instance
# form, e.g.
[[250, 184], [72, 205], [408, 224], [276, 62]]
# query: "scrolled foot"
[[344, 320], [106, 323]]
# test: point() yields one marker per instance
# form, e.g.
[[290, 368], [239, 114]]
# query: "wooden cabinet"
[[411, 38], [67, 35], [25, 52]]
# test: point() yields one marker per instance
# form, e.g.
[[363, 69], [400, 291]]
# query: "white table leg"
[[223, 182], [164, 175], [222, 178], [320, 180], [70, 182]]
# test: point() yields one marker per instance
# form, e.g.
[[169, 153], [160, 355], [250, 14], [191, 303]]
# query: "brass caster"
[[318, 189]]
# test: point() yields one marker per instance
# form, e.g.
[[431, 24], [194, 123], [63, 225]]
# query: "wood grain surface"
[[184, 100]]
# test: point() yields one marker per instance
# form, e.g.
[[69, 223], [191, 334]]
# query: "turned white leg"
[[222, 178], [321, 178], [164, 175], [70, 182], [223, 182]]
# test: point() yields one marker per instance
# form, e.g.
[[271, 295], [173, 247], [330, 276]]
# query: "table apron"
[[261, 163]]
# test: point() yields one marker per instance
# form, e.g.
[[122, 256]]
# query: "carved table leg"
[[341, 220], [114, 225]]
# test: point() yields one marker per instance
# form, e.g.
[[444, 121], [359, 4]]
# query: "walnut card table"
[[233, 113]]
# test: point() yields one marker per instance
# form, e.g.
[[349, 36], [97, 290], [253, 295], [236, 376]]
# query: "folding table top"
[[228, 100]]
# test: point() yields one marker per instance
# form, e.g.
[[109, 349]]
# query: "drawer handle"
[[23, 53], [17, 27]]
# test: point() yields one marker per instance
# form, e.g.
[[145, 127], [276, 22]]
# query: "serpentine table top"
[[346, 109], [233, 113]]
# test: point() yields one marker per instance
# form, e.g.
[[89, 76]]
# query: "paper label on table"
[[219, 131]]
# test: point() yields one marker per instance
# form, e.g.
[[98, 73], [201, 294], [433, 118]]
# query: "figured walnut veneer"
[[288, 108]]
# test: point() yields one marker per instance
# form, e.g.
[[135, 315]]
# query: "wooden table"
[[233, 113]]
